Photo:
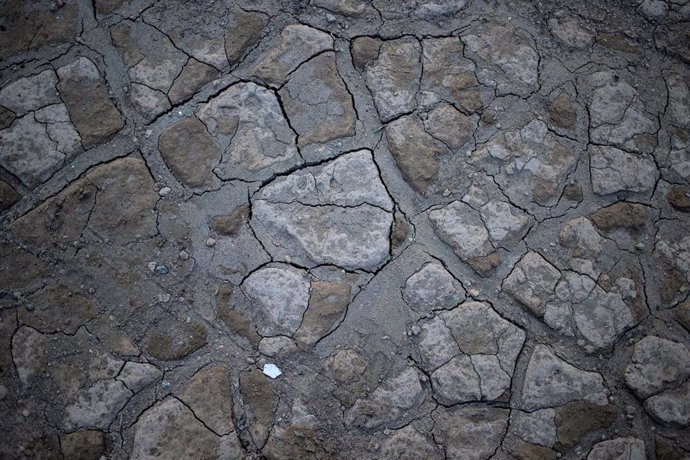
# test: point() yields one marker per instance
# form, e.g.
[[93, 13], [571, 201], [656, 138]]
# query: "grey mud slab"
[[445, 229]]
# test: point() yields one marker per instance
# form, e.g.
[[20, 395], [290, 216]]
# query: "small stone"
[[272, 371], [162, 270], [184, 255], [165, 191], [210, 242]]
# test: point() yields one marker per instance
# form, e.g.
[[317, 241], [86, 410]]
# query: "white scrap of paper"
[[272, 370]]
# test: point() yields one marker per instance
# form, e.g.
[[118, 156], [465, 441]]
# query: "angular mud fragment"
[[432, 288], [562, 112], [393, 78], [260, 401], [8, 196], [327, 307], [28, 26], [137, 376], [570, 32], [170, 342], [409, 443], [581, 308], [449, 126], [416, 153], [28, 152], [463, 229], [193, 77], [550, 381], [618, 117], [575, 419], [659, 371], [538, 427], [153, 64], [30, 93], [117, 215], [282, 295], [243, 35], [468, 364], [338, 213], [190, 152], [622, 448], [470, 432], [297, 43], [389, 403], [614, 170], [657, 364], [98, 406], [85, 94], [317, 102], [532, 282], [365, 50], [208, 395], [622, 215], [170, 429], [509, 61], [248, 126], [530, 165], [448, 75], [671, 407]]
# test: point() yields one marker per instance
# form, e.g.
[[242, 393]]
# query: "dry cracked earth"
[[458, 228]]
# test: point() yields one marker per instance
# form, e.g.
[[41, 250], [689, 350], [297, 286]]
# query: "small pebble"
[[210, 242], [165, 384], [162, 270], [165, 191], [184, 255], [152, 266]]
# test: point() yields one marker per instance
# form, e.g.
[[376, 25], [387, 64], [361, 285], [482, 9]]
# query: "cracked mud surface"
[[458, 227]]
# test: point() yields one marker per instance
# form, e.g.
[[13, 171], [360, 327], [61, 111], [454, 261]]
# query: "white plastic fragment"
[[272, 370]]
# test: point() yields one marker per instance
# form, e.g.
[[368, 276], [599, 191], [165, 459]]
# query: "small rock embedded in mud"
[[272, 371]]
